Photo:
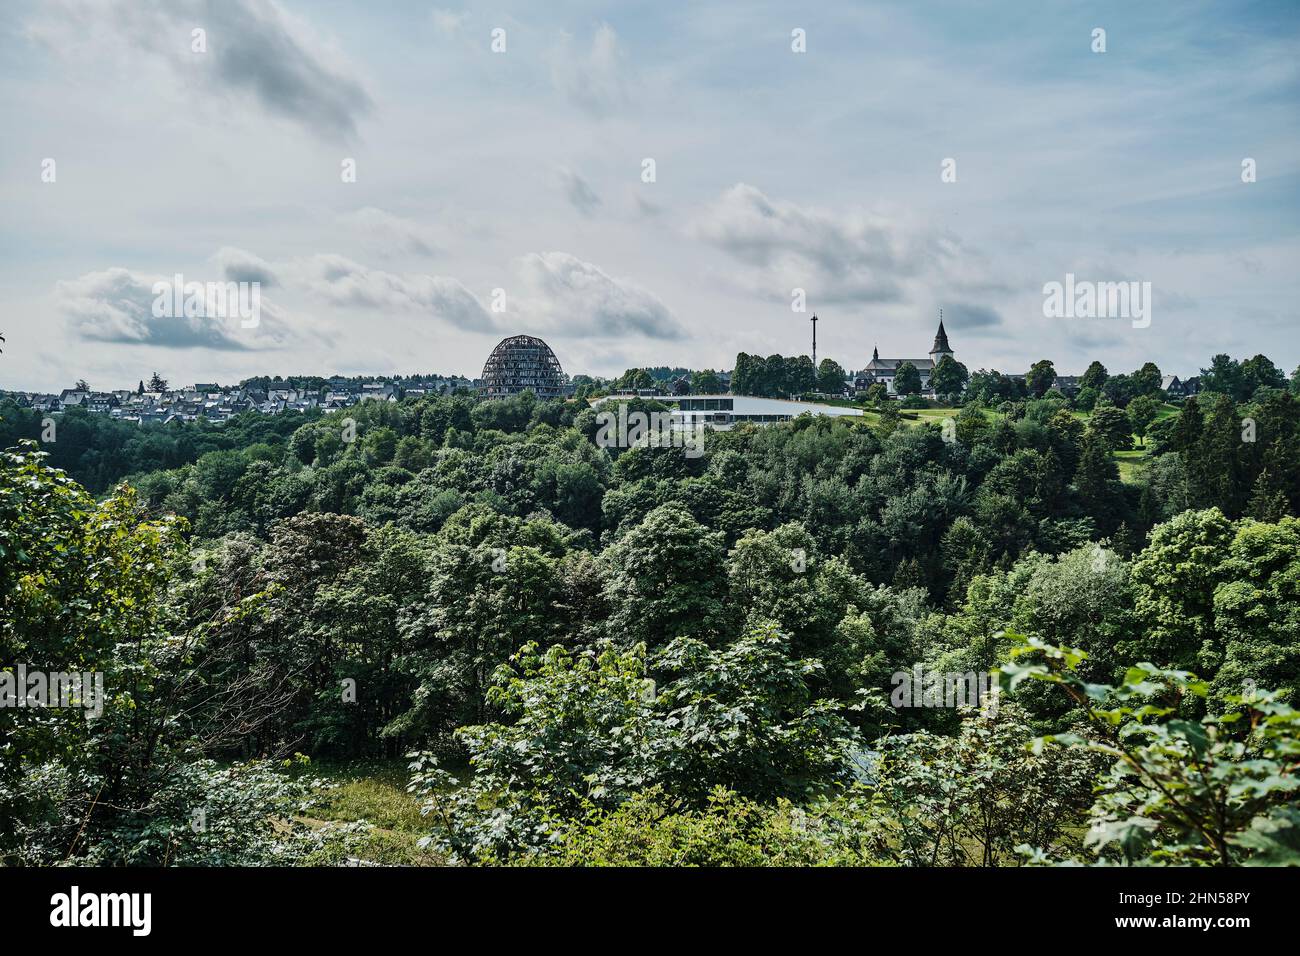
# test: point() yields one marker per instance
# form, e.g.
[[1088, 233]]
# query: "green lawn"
[[1130, 463]]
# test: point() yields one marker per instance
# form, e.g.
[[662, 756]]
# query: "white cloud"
[[595, 81], [254, 50], [845, 256], [392, 235], [576, 298], [239, 265], [579, 194], [448, 21], [117, 305], [342, 282]]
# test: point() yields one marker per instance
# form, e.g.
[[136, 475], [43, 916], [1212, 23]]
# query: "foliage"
[[1216, 791]]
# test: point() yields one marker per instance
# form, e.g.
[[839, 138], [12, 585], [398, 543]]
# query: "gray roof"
[[889, 365]]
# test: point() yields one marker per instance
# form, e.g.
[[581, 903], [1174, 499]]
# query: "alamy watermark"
[[1084, 299], [921, 687], [21, 688], [627, 429], [176, 298]]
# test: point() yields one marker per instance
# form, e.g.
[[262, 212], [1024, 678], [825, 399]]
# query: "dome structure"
[[524, 363]]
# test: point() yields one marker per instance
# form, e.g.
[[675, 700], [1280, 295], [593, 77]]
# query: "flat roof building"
[[723, 412]]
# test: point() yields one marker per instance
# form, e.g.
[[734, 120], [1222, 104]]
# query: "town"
[[155, 403]]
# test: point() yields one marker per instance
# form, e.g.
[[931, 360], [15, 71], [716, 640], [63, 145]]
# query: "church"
[[884, 370]]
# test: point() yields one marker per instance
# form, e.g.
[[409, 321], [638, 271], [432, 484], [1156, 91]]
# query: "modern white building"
[[722, 412]]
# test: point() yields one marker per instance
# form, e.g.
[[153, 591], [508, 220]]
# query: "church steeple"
[[941, 346], [875, 354]]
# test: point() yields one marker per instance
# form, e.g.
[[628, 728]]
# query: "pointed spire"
[[875, 354], [941, 338]]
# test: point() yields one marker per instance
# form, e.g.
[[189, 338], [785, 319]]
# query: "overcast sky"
[[523, 171]]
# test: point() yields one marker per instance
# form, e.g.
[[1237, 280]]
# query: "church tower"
[[941, 347]]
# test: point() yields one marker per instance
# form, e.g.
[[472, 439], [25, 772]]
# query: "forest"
[[448, 631]]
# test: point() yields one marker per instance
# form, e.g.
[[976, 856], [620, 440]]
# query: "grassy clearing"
[[1130, 464], [372, 793]]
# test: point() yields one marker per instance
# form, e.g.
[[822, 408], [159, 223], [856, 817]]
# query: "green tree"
[[1146, 380], [1142, 411], [667, 579], [1174, 579], [949, 377], [1040, 378], [907, 380], [831, 377], [1181, 791], [1225, 377], [1094, 377], [1112, 427], [705, 382], [1260, 372]]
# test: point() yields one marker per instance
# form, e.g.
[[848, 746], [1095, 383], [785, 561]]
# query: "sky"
[[505, 191]]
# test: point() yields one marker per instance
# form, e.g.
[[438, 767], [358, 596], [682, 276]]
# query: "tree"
[[157, 383], [82, 385], [1260, 372], [1181, 791], [1146, 380], [907, 380], [1142, 411], [949, 377], [667, 579], [1023, 796], [1097, 479], [831, 377], [1112, 426], [140, 388], [1040, 378], [1174, 580], [742, 377], [588, 731], [876, 393], [1225, 377], [1118, 390], [1094, 377], [635, 379], [705, 382]]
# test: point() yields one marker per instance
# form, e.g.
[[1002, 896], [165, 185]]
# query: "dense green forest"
[[597, 655]]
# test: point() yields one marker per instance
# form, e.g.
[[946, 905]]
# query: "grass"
[[373, 793], [1130, 463]]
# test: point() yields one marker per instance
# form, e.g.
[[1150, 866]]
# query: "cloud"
[[238, 265], [448, 21], [255, 50], [117, 305], [966, 317], [646, 208], [580, 195], [595, 82], [392, 234], [575, 297], [836, 257], [342, 282]]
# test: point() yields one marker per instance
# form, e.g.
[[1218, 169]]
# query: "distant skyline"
[[524, 171]]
